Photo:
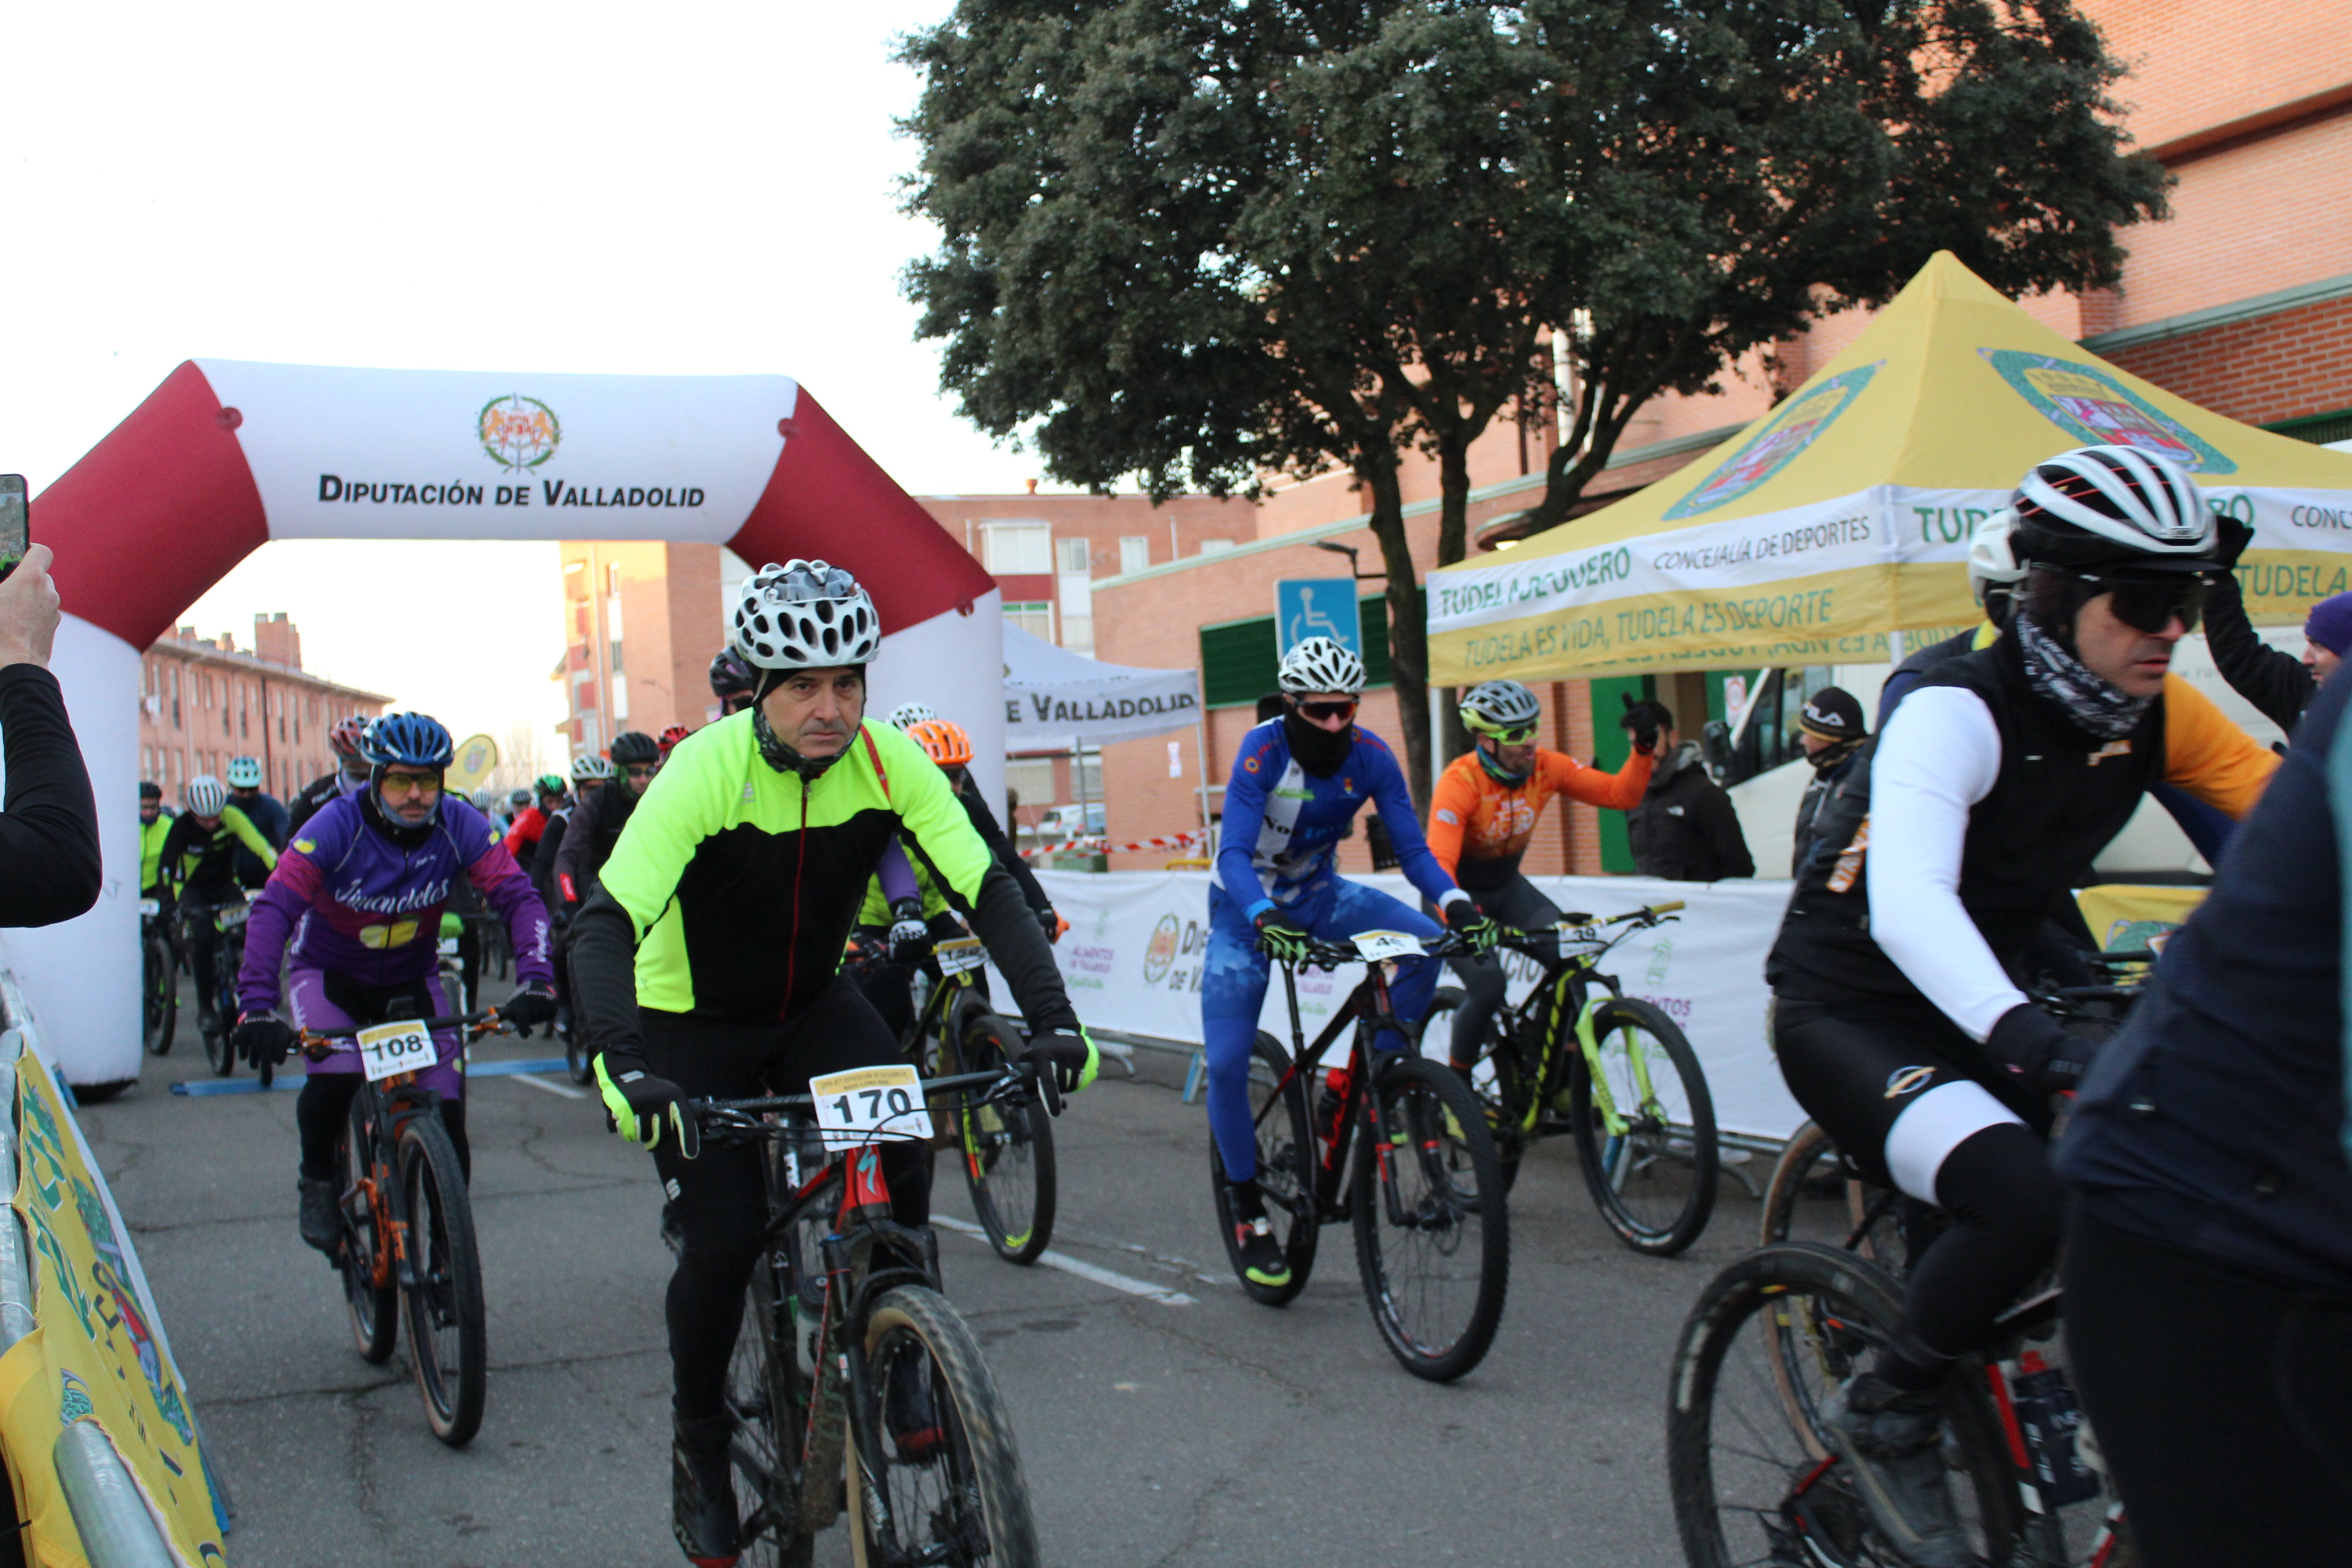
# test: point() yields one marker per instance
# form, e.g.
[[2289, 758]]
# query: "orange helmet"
[[945, 743]]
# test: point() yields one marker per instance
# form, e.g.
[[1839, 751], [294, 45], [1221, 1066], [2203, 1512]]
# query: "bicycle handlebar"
[[483, 1022], [743, 1114]]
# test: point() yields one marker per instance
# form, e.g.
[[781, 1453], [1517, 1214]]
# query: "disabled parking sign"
[[1317, 607]]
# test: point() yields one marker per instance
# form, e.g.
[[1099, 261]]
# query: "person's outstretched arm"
[[50, 865], [2276, 683]]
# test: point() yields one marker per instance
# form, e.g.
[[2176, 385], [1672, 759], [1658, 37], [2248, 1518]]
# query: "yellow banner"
[[475, 756], [93, 1359]]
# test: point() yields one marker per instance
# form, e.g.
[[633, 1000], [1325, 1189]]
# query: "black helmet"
[[730, 676], [634, 746]]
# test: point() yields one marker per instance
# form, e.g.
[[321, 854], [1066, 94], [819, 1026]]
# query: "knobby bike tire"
[[374, 1310], [979, 1467], [1788, 1503], [1285, 1174], [766, 1395], [159, 1006], [442, 1291], [1611, 1165], [1415, 1203], [218, 1053], [1811, 1156], [1007, 1151]]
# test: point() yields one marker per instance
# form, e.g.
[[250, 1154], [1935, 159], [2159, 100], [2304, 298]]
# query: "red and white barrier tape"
[[1182, 841]]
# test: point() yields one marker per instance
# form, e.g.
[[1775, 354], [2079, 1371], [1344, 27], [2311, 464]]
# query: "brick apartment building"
[[2241, 302], [203, 702]]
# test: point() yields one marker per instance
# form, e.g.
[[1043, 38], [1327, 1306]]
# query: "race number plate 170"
[[389, 1049], [854, 1108]]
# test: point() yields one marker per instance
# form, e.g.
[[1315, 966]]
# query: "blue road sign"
[[1317, 607]]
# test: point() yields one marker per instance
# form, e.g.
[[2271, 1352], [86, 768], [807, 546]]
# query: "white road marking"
[[1100, 1276], [565, 1089]]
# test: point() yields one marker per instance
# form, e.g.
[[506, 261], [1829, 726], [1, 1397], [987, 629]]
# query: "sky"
[[683, 189]]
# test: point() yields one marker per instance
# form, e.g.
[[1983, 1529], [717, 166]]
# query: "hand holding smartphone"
[[16, 523], [28, 600]]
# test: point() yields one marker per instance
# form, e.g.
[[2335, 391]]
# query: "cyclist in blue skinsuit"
[[1297, 786], [355, 907]]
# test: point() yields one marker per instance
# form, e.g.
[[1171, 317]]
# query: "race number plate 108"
[[389, 1049], [959, 954], [856, 1107]]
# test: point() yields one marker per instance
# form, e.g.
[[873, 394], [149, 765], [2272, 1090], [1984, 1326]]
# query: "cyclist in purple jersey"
[[355, 910]]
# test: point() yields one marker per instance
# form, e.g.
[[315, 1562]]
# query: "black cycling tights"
[[2005, 1206], [325, 1104], [2219, 1401], [719, 1199]]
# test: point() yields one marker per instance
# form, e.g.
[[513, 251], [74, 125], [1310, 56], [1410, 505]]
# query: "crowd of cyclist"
[[683, 904]]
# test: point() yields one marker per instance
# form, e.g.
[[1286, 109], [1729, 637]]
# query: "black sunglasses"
[[2151, 606], [1321, 710]]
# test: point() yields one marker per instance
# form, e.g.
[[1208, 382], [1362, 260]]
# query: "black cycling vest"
[[2059, 798]]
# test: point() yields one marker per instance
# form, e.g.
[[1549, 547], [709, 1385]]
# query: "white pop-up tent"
[[1056, 700]]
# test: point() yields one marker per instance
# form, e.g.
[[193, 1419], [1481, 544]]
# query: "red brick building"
[[2241, 302], [201, 702]]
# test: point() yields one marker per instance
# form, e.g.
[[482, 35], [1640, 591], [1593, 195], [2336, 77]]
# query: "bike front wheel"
[[1007, 1149], [369, 1290], [1432, 1230], [218, 1052], [1285, 1172], [1653, 1173], [1770, 1339], [946, 1464], [441, 1284], [161, 989], [764, 1394]]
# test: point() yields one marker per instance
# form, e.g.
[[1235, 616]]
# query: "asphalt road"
[[1212, 1431]]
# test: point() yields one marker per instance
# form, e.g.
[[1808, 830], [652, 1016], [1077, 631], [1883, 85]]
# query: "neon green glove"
[[640, 1106]]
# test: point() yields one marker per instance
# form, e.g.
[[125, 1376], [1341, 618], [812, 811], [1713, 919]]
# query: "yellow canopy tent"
[[1845, 514]]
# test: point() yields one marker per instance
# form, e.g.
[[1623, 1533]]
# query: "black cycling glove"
[[532, 1004], [644, 1109], [909, 939], [262, 1039], [1282, 939], [2030, 1045]]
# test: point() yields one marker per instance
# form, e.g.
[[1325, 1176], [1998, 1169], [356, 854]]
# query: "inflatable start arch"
[[226, 455]]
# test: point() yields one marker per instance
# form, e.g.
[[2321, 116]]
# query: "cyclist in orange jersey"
[[1485, 811]]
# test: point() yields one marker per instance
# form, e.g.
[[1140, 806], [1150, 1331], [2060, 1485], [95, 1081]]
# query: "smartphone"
[[15, 523]]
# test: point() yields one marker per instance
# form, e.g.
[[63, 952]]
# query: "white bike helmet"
[[1320, 664], [1499, 707], [907, 715], [2112, 507], [1991, 562], [207, 796], [245, 772], [805, 615], [589, 766]]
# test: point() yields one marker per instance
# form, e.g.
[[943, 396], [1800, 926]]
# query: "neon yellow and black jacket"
[[734, 886], [201, 861], [150, 847]]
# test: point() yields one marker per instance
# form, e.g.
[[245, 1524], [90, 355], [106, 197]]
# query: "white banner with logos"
[[1137, 940]]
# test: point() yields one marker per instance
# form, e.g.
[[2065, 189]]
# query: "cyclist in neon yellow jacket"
[[154, 826], [198, 860]]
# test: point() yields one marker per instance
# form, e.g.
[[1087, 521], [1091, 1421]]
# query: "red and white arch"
[[225, 456]]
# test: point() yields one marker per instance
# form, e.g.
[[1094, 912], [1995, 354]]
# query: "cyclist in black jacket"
[[2279, 685]]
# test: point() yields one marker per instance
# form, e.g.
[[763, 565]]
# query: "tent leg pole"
[[1200, 751], [1436, 739]]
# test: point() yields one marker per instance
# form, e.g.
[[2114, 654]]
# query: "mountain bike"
[[408, 1224], [1773, 1336], [848, 1344], [1398, 1146], [1613, 1070], [159, 980], [1006, 1149], [228, 918]]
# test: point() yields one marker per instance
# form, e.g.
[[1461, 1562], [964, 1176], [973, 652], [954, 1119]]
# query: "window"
[[1018, 548], [575, 579], [613, 617], [1032, 780], [620, 697], [1134, 552], [612, 579], [1074, 555], [1215, 546], [615, 651], [1073, 583], [1035, 616]]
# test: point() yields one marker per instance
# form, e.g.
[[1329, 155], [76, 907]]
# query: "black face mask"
[[1318, 751]]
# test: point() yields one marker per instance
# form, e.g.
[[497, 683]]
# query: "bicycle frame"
[[861, 1219], [1568, 978]]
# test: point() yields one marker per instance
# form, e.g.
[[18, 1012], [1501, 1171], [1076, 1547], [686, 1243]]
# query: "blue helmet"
[[411, 740]]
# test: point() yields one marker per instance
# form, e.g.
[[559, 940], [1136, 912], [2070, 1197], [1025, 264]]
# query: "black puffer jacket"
[[1685, 829]]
